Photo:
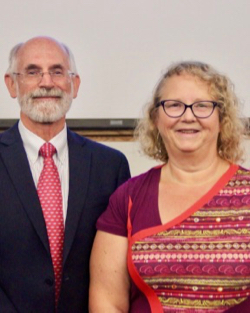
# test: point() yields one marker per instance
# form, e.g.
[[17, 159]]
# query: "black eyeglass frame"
[[162, 103]]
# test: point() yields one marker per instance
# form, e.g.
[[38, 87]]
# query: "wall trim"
[[97, 129]]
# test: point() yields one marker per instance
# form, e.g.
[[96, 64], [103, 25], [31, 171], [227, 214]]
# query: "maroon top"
[[143, 190]]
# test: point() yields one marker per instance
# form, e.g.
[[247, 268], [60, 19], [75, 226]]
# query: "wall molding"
[[96, 129]]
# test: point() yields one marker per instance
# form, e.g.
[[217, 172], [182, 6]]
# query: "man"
[[43, 77]]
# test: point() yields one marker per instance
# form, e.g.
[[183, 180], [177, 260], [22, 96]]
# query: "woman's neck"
[[194, 172]]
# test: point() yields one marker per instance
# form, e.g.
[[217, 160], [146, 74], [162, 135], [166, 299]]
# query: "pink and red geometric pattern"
[[50, 195], [200, 264]]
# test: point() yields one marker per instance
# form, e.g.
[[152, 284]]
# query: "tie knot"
[[47, 150]]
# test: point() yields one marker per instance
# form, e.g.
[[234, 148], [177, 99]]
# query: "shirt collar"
[[32, 143]]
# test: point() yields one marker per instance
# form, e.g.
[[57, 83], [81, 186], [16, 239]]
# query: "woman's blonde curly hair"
[[221, 90]]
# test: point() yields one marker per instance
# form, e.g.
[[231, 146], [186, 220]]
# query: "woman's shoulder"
[[148, 175], [135, 183], [242, 171], [243, 168]]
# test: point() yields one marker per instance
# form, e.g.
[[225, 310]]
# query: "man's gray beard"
[[45, 111]]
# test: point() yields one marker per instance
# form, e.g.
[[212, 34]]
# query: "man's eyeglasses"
[[35, 76], [200, 109]]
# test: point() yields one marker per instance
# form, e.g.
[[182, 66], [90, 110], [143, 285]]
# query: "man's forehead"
[[43, 53]]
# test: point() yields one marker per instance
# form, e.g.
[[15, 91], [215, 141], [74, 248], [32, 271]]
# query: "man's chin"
[[45, 112], [43, 118]]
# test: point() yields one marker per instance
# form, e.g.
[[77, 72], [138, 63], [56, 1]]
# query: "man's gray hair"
[[15, 49]]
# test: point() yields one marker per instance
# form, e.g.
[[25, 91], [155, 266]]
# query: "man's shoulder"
[[10, 135], [103, 159], [95, 147]]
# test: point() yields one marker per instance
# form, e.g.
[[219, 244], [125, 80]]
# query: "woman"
[[176, 239]]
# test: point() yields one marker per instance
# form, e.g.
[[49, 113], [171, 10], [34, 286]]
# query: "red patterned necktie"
[[50, 195]]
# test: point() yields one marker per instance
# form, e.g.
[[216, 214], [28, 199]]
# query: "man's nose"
[[46, 80]]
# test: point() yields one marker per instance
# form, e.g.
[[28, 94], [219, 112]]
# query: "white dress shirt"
[[32, 143]]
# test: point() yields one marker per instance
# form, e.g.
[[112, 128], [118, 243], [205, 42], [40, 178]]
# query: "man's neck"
[[46, 131]]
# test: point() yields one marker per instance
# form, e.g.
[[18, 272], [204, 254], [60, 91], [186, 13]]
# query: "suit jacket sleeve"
[[5, 303], [124, 173]]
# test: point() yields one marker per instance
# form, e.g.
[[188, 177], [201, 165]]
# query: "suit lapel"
[[17, 165], [79, 171], [15, 159]]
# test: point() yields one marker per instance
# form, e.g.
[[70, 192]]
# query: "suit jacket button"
[[66, 278], [49, 281]]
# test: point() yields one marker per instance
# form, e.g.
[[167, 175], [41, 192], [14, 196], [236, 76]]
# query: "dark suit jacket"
[[26, 271]]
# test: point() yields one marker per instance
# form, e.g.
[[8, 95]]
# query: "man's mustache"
[[42, 92]]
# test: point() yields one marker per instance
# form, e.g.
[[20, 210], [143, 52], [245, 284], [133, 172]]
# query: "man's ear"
[[76, 84], [11, 85]]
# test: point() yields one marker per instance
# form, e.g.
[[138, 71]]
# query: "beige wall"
[[140, 163]]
